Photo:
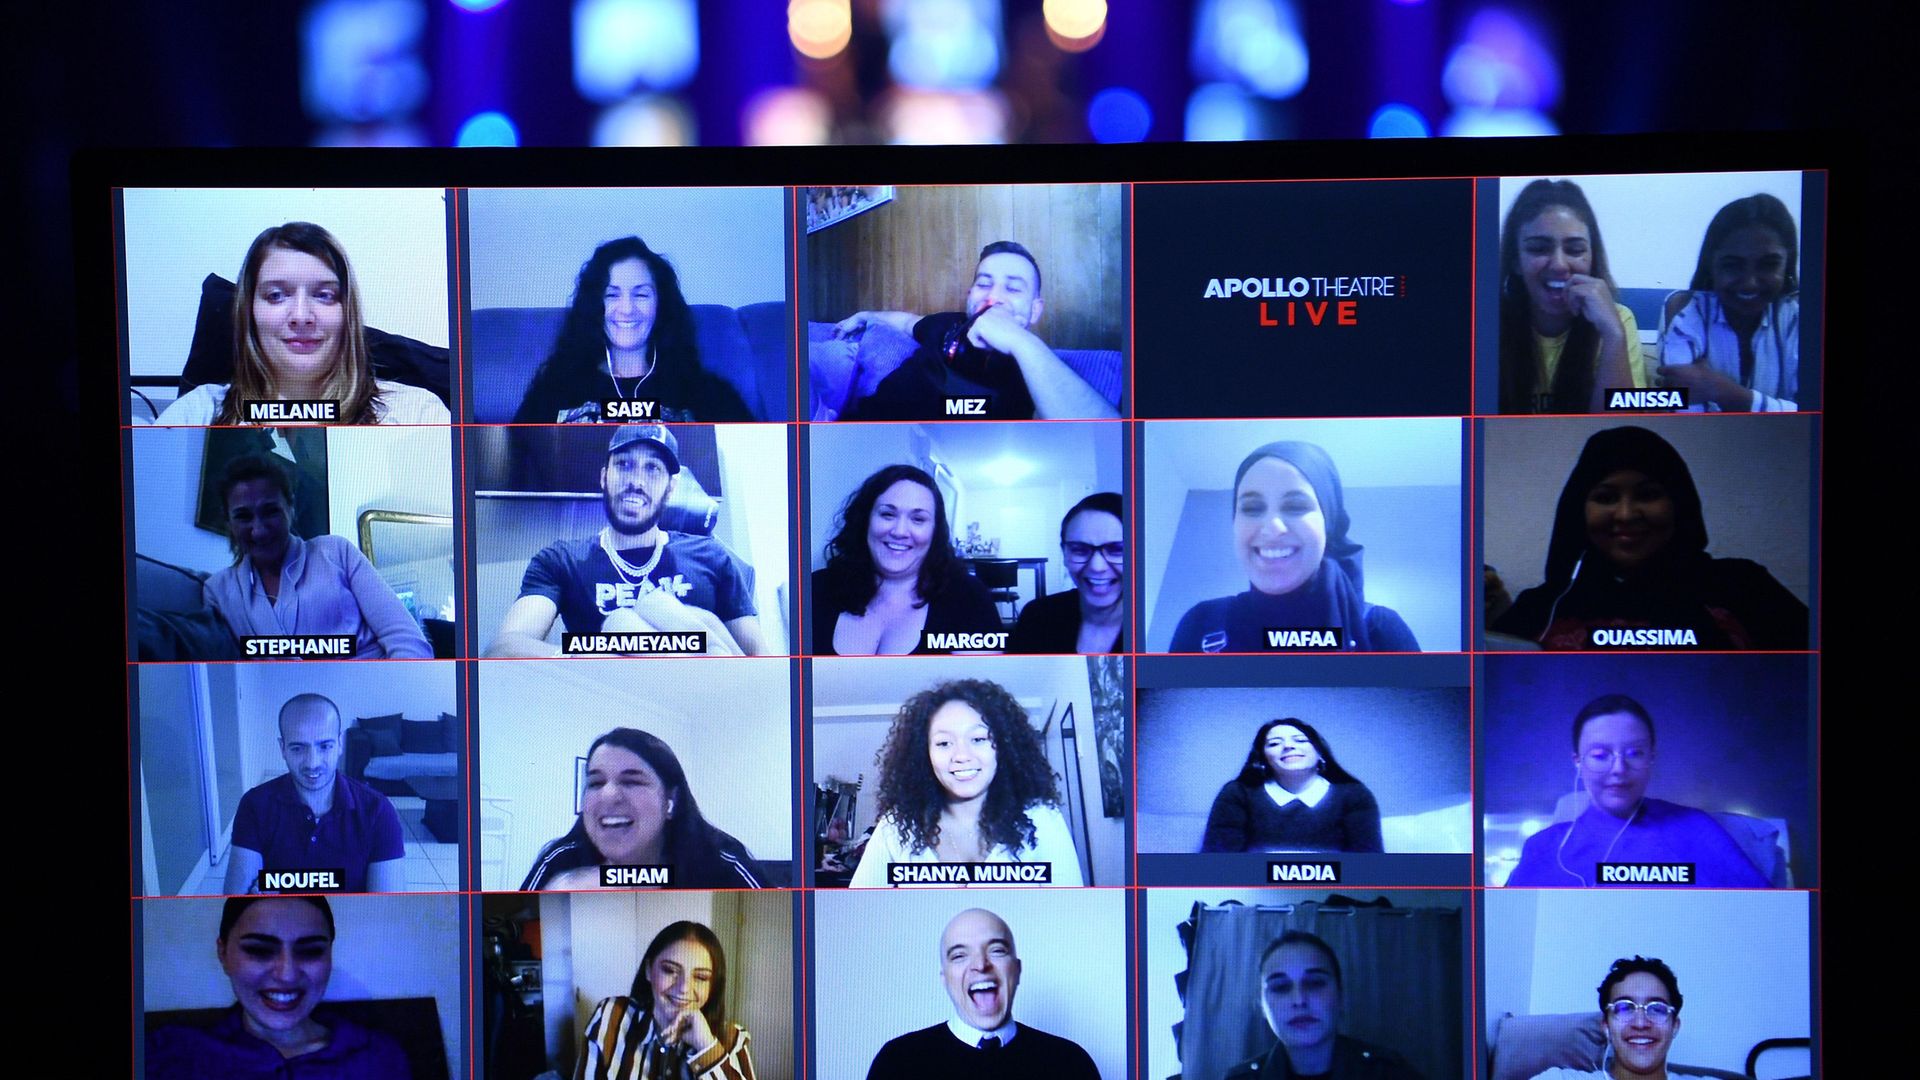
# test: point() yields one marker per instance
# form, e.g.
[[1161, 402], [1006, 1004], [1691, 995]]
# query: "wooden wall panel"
[[917, 253]]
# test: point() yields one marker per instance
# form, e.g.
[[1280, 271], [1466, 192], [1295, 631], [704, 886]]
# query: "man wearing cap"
[[981, 970], [635, 576]]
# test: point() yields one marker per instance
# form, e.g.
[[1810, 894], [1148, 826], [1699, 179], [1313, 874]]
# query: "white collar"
[[971, 1035], [1315, 791]]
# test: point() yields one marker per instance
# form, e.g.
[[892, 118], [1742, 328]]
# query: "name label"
[[1303, 871], [1626, 400], [283, 411], [1302, 637], [613, 876], [967, 641], [966, 406], [330, 645], [693, 641], [1644, 873], [948, 873], [303, 880], [1613, 637], [630, 409]]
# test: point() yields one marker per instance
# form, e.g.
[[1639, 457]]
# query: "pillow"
[[421, 737], [1526, 1046], [395, 358], [835, 362], [383, 734], [453, 734]]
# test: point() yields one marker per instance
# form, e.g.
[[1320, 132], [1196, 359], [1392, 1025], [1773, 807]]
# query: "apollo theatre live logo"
[[1308, 301]]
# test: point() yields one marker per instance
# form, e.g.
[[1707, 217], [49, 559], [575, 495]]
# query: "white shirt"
[[397, 403], [1316, 790], [1052, 843], [971, 1035], [1701, 332]]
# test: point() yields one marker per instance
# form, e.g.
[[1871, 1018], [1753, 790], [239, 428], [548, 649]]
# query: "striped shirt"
[[621, 1044]]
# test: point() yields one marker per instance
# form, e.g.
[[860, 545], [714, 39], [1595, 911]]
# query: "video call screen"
[[1339, 610]]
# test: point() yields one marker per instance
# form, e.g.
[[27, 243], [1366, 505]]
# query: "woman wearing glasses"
[[1640, 1006], [1089, 618], [1613, 757]]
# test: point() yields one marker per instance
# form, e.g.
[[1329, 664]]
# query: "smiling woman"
[[672, 1024], [298, 335], [1291, 795], [637, 810], [278, 954]]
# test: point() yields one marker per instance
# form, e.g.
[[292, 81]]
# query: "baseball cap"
[[656, 434]]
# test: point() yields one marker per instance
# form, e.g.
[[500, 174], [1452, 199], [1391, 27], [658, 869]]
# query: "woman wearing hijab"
[[1303, 571], [1629, 553]]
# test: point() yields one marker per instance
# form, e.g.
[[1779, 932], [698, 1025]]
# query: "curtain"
[[1402, 979]]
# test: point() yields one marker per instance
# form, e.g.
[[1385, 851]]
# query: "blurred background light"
[[1396, 121], [1501, 61], [372, 135], [1255, 43], [932, 117], [360, 60], [787, 116], [1075, 25], [646, 120], [487, 129], [477, 5], [1221, 112], [819, 28], [1493, 123], [1117, 115], [942, 44], [620, 46]]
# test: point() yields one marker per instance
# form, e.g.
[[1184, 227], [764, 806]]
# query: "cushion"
[[421, 737], [1525, 1046], [383, 733], [395, 358], [453, 734]]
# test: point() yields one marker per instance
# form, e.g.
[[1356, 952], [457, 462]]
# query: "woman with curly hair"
[[628, 333], [964, 779], [891, 580]]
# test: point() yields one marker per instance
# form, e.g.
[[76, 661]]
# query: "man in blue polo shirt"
[[315, 817]]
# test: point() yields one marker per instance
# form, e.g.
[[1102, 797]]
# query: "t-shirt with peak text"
[[585, 585]]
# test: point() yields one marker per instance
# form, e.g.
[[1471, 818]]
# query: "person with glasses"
[[1613, 757], [1090, 618], [1640, 1006]]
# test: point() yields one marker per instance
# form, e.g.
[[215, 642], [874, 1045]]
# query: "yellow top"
[[1548, 350]]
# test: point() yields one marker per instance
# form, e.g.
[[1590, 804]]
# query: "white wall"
[[1653, 224], [1741, 959], [877, 968], [377, 954], [759, 517], [395, 240], [420, 691], [727, 719], [1166, 957], [728, 245], [1752, 473]]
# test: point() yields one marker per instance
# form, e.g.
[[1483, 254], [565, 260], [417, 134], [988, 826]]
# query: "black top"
[[1727, 603], [1352, 1060], [1051, 624], [1245, 818], [1239, 624], [919, 388], [576, 396], [934, 1054], [964, 607]]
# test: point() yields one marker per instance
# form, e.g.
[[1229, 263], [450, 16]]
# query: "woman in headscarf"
[[1303, 571], [1629, 553]]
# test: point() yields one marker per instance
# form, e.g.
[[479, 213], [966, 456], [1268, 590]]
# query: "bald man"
[[981, 969], [315, 817]]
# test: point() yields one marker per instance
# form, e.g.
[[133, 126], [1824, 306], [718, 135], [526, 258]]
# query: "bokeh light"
[[1396, 121], [1222, 112], [488, 129], [647, 120], [942, 44], [1117, 115], [819, 28], [787, 116], [1255, 43], [620, 46], [930, 117], [1075, 25]]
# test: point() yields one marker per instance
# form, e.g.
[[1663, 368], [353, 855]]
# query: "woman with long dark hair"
[[964, 779], [628, 334], [1091, 616], [637, 810], [1737, 342], [298, 335], [892, 581], [1628, 553], [672, 1023], [1290, 536], [1564, 341], [1292, 795]]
